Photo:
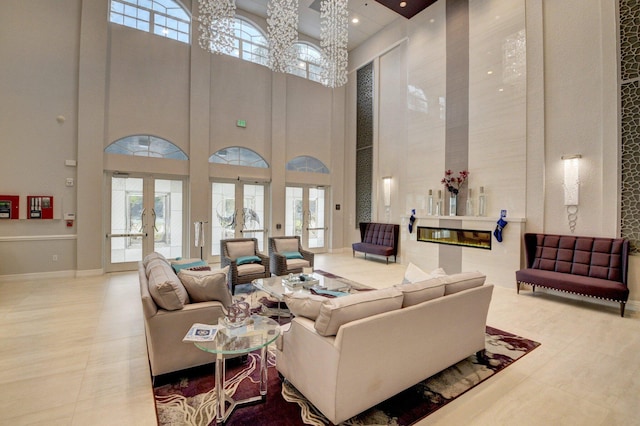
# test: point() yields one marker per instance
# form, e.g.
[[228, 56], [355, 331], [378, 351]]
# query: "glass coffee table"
[[277, 287], [256, 334]]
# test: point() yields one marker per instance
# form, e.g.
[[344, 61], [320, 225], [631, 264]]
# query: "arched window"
[[251, 43], [308, 61], [238, 156], [165, 18], [146, 146], [308, 164]]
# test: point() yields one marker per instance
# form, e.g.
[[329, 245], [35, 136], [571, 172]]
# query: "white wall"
[[110, 81], [559, 100]]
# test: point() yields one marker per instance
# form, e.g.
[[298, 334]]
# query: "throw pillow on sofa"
[[152, 256], [463, 281], [415, 293], [341, 310], [165, 287], [195, 264], [414, 274], [304, 305], [207, 286]]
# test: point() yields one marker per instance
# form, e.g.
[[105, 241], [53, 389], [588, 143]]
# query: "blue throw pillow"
[[180, 266], [292, 255], [242, 260]]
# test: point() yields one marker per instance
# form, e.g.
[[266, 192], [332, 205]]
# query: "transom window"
[[308, 60], [165, 18], [250, 43], [238, 156], [305, 163], [146, 146]]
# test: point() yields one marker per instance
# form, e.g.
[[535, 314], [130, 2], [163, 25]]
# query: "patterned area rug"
[[188, 397]]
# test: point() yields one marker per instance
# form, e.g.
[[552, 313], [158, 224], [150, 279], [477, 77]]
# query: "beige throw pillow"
[[165, 287], [304, 304], [153, 256], [463, 281], [207, 286], [341, 310], [415, 293], [414, 274]]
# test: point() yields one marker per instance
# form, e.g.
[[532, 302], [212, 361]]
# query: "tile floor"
[[73, 353]]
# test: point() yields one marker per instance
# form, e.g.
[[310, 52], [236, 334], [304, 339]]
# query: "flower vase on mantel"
[[453, 204]]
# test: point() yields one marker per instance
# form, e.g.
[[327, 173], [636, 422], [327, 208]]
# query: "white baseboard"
[[50, 275], [89, 273]]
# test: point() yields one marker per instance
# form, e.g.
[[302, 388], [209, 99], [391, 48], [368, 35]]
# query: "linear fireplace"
[[457, 237]]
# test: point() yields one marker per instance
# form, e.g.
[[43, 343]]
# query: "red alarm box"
[[39, 207], [9, 206]]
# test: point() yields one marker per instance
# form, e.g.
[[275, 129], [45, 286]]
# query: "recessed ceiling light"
[[489, 72], [355, 20], [403, 4]]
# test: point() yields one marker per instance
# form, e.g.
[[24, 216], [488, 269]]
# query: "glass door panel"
[[316, 223], [253, 213], [128, 232], [167, 218], [294, 211], [223, 206]]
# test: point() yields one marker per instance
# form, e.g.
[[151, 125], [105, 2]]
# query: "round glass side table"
[[256, 334]]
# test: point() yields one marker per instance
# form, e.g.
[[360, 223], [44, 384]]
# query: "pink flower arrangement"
[[452, 183]]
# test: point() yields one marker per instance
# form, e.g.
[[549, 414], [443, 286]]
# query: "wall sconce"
[[386, 190], [571, 187]]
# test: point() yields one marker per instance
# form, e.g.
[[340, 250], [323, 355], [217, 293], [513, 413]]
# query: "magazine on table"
[[201, 333]]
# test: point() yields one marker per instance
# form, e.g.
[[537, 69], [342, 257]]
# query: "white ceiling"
[[372, 18]]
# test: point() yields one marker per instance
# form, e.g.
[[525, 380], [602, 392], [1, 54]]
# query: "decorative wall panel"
[[629, 39], [364, 143], [629, 126]]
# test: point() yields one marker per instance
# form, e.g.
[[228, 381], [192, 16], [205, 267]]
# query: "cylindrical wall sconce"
[[386, 190], [571, 185]]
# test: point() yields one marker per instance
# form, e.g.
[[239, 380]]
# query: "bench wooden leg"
[[622, 306], [518, 287]]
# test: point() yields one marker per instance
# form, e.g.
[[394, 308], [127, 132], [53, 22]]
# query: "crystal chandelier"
[[334, 26], [282, 30], [216, 27]]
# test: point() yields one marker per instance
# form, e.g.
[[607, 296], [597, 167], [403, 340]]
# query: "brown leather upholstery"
[[589, 266], [378, 238]]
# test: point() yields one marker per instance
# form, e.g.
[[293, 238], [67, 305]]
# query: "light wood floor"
[[72, 352]]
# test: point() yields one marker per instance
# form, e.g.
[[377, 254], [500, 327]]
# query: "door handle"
[[142, 215], [153, 213]]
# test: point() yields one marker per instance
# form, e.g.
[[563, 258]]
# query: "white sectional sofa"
[[347, 354]]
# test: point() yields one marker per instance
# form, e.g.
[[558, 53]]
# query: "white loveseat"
[[347, 354]]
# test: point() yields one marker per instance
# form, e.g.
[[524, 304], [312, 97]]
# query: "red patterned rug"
[[188, 397]]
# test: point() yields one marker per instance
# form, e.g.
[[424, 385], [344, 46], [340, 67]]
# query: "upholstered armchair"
[[245, 261], [287, 255]]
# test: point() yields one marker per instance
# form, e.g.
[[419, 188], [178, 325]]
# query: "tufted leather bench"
[[378, 238], [588, 266]]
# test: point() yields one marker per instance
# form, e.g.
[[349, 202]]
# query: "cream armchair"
[[244, 259], [287, 255]]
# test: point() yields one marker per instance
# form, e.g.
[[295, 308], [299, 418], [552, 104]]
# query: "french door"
[[146, 216], [306, 216], [238, 210]]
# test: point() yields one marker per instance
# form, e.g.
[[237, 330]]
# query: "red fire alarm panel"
[[39, 207], [9, 206]]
